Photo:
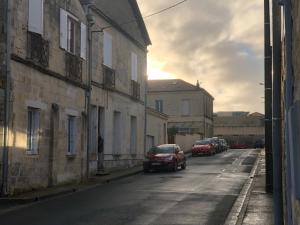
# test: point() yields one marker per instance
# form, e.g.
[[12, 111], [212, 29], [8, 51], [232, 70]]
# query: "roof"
[[126, 16], [173, 85], [257, 114]]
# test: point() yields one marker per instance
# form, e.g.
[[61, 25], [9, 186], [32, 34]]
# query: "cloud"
[[219, 43]]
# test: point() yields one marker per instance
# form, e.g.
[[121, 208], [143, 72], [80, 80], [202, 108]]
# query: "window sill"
[[71, 155], [30, 153]]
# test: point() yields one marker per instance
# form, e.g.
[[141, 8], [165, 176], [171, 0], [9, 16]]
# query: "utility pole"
[[6, 78], [268, 100], [277, 115]]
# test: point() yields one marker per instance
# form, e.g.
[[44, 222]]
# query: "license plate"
[[155, 164]]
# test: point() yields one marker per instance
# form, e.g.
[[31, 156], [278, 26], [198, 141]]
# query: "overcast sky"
[[218, 42]]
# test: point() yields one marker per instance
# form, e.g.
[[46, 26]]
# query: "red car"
[[167, 156], [203, 147]]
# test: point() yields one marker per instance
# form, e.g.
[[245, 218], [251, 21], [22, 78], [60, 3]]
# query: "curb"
[[237, 213]]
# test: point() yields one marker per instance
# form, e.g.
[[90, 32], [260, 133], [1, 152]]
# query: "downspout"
[[288, 105], [268, 99], [146, 118], [7, 30], [277, 117]]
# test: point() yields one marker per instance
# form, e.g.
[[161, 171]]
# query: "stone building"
[[189, 107], [77, 73], [239, 128], [290, 77], [47, 126], [119, 65], [157, 126]]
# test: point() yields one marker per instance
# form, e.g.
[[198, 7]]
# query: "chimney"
[[198, 84]]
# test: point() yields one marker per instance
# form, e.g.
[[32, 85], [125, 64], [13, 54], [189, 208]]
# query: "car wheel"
[[183, 166], [175, 167]]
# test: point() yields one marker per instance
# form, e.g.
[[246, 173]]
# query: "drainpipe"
[[145, 126], [268, 100], [288, 104], [7, 28], [277, 117]]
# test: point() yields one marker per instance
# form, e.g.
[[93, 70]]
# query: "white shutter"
[[83, 41], [134, 73], [36, 131], [36, 16], [63, 29], [107, 48]]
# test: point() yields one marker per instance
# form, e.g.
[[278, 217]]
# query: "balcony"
[[109, 77], [135, 89], [38, 49], [73, 67]]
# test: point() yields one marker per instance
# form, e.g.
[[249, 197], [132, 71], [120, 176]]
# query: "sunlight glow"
[[155, 70]]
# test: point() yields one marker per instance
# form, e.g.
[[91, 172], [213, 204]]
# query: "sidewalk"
[[9, 203], [259, 209]]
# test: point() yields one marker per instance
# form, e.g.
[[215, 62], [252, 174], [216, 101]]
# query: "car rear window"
[[203, 142], [162, 149]]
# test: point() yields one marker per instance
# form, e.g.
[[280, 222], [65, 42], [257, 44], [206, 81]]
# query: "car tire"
[[175, 167], [183, 166]]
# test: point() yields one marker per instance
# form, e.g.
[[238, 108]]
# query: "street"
[[202, 194]]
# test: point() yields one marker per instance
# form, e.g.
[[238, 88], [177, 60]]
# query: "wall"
[[119, 99], [239, 130], [45, 89], [157, 126], [186, 141], [199, 112]]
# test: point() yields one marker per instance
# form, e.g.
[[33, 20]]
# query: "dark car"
[[203, 147], [168, 156], [259, 144], [224, 144]]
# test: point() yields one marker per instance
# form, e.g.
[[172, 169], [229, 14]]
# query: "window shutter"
[[36, 131], [83, 41], [72, 134], [134, 67], [63, 29], [107, 48], [36, 16]]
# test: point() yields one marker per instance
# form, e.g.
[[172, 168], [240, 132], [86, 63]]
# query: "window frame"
[[159, 105], [71, 136], [72, 26], [33, 116]]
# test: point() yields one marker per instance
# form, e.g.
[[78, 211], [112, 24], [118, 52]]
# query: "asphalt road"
[[202, 194]]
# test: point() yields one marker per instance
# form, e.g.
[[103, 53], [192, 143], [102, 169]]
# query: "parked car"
[[168, 156], [203, 147], [224, 144], [217, 144]]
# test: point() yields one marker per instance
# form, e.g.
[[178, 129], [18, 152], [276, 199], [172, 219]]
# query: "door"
[[101, 138]]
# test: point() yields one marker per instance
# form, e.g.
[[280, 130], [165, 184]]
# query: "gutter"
[[277, 115], [288, 104]]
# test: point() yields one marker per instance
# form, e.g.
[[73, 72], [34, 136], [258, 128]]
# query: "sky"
[[218, 42]]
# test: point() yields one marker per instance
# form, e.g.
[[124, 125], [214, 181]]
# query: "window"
[[71, 135], [159, 105], [133, 134], [185, 110], [107, 49], [33, 128], [134, 72], [73, 34], [36, 16], [117, 148]]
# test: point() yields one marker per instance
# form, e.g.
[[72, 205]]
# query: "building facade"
[[157, 127], [189, 107], [239, 128], [118, 68], [76, 93]]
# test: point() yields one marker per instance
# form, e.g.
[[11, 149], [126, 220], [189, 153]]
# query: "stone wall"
[[55, 96], [296, 68]]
